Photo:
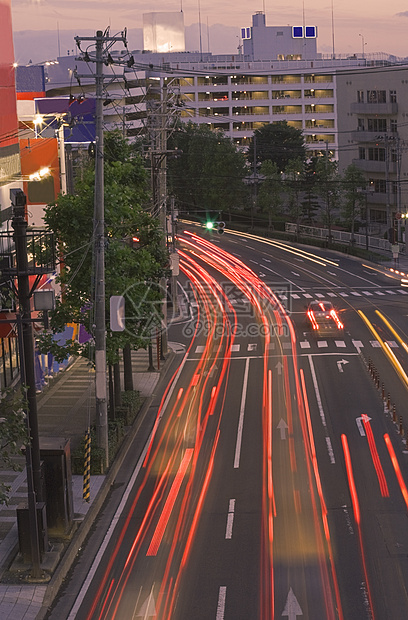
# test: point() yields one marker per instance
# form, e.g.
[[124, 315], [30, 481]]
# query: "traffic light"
[[220, 228], [209, 225]]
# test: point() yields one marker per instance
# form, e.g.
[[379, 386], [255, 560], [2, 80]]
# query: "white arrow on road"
[[340, 364], [282, 426], [148, 609], [279, 367], [292, 607], [360, 425]]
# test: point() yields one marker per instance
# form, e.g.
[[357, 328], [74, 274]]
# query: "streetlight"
[[363, 44]]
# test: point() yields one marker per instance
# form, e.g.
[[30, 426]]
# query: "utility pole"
[[101, 55], [99, 256]]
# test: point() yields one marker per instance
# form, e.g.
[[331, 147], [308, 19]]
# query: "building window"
[[393, 96], [376, 154], [361, 152], [360, 96], [360, 124], [377, 124], [376, 96], [393, 126]]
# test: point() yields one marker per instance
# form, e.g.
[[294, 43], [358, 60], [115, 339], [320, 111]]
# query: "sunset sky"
[[382, 25]]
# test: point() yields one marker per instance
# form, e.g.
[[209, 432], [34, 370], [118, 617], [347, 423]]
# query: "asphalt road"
[[273, 483]]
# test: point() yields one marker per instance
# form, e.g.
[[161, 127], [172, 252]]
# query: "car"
[[323, 318]]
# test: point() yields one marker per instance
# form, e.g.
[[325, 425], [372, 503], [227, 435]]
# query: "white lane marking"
[[241, 415], [230, 519], [252, 346], [304, 344], [322, 344], [319, 295], [340, 344], [402, 291], [379, 293], [330, 450], [199, 349], [296, 274], [367, 293], [332, 294], [344, 294], [235, 347], [317, 392], [108, 535], [295, 296], [355, 293], [221, 603], [392, 344], [391, 292], [307, 296], [279, 275], [358, 344], [375, 344]]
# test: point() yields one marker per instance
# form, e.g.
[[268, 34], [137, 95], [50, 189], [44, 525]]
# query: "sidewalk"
[[64, 410]]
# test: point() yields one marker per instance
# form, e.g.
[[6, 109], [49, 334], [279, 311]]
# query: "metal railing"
[[341, 236]]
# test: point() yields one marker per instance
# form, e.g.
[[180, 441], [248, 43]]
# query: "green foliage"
[[132, 272], [277, 142], [13, 433], [353, 182], [270, 191], [208, 172]]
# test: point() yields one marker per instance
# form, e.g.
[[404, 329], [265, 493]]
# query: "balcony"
[[386, 109], [368, 165], [372, 136]]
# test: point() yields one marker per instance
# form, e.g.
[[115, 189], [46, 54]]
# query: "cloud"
[[403, 14]]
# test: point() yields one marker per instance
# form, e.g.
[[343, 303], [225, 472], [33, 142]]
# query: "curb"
[[82, 532]]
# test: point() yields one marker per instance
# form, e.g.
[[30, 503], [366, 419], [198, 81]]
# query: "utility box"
[[55, 454], [24, 530]]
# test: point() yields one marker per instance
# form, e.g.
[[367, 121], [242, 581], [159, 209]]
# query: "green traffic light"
[[209, 225]]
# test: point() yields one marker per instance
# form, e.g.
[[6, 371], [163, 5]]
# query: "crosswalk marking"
[[379, 293], [319, 295], [356, 294], [295, 296], [306, 344], [402, 291], [367, 293], [344, 294], [391, 292], [307, 296], [332, 294]]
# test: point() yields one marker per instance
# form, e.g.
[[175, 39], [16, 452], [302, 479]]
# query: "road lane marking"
[[317, 392], [221, 603], [241, 415], [230, 519]]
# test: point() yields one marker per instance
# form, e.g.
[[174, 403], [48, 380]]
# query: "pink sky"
[[382, 25]]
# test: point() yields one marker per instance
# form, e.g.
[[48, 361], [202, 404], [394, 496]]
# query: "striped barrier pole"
[[87, 467]]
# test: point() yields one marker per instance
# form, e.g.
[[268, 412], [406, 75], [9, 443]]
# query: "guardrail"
[[341, 237]]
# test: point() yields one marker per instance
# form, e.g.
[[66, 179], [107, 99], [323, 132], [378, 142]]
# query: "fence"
[[341, 236]]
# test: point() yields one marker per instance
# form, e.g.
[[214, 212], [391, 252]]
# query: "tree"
[[353, 182], [278, 142], [310, 203], [208, 172], [13, 433], [294, 185], [270, 191], [133, 268], [328, 187]]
